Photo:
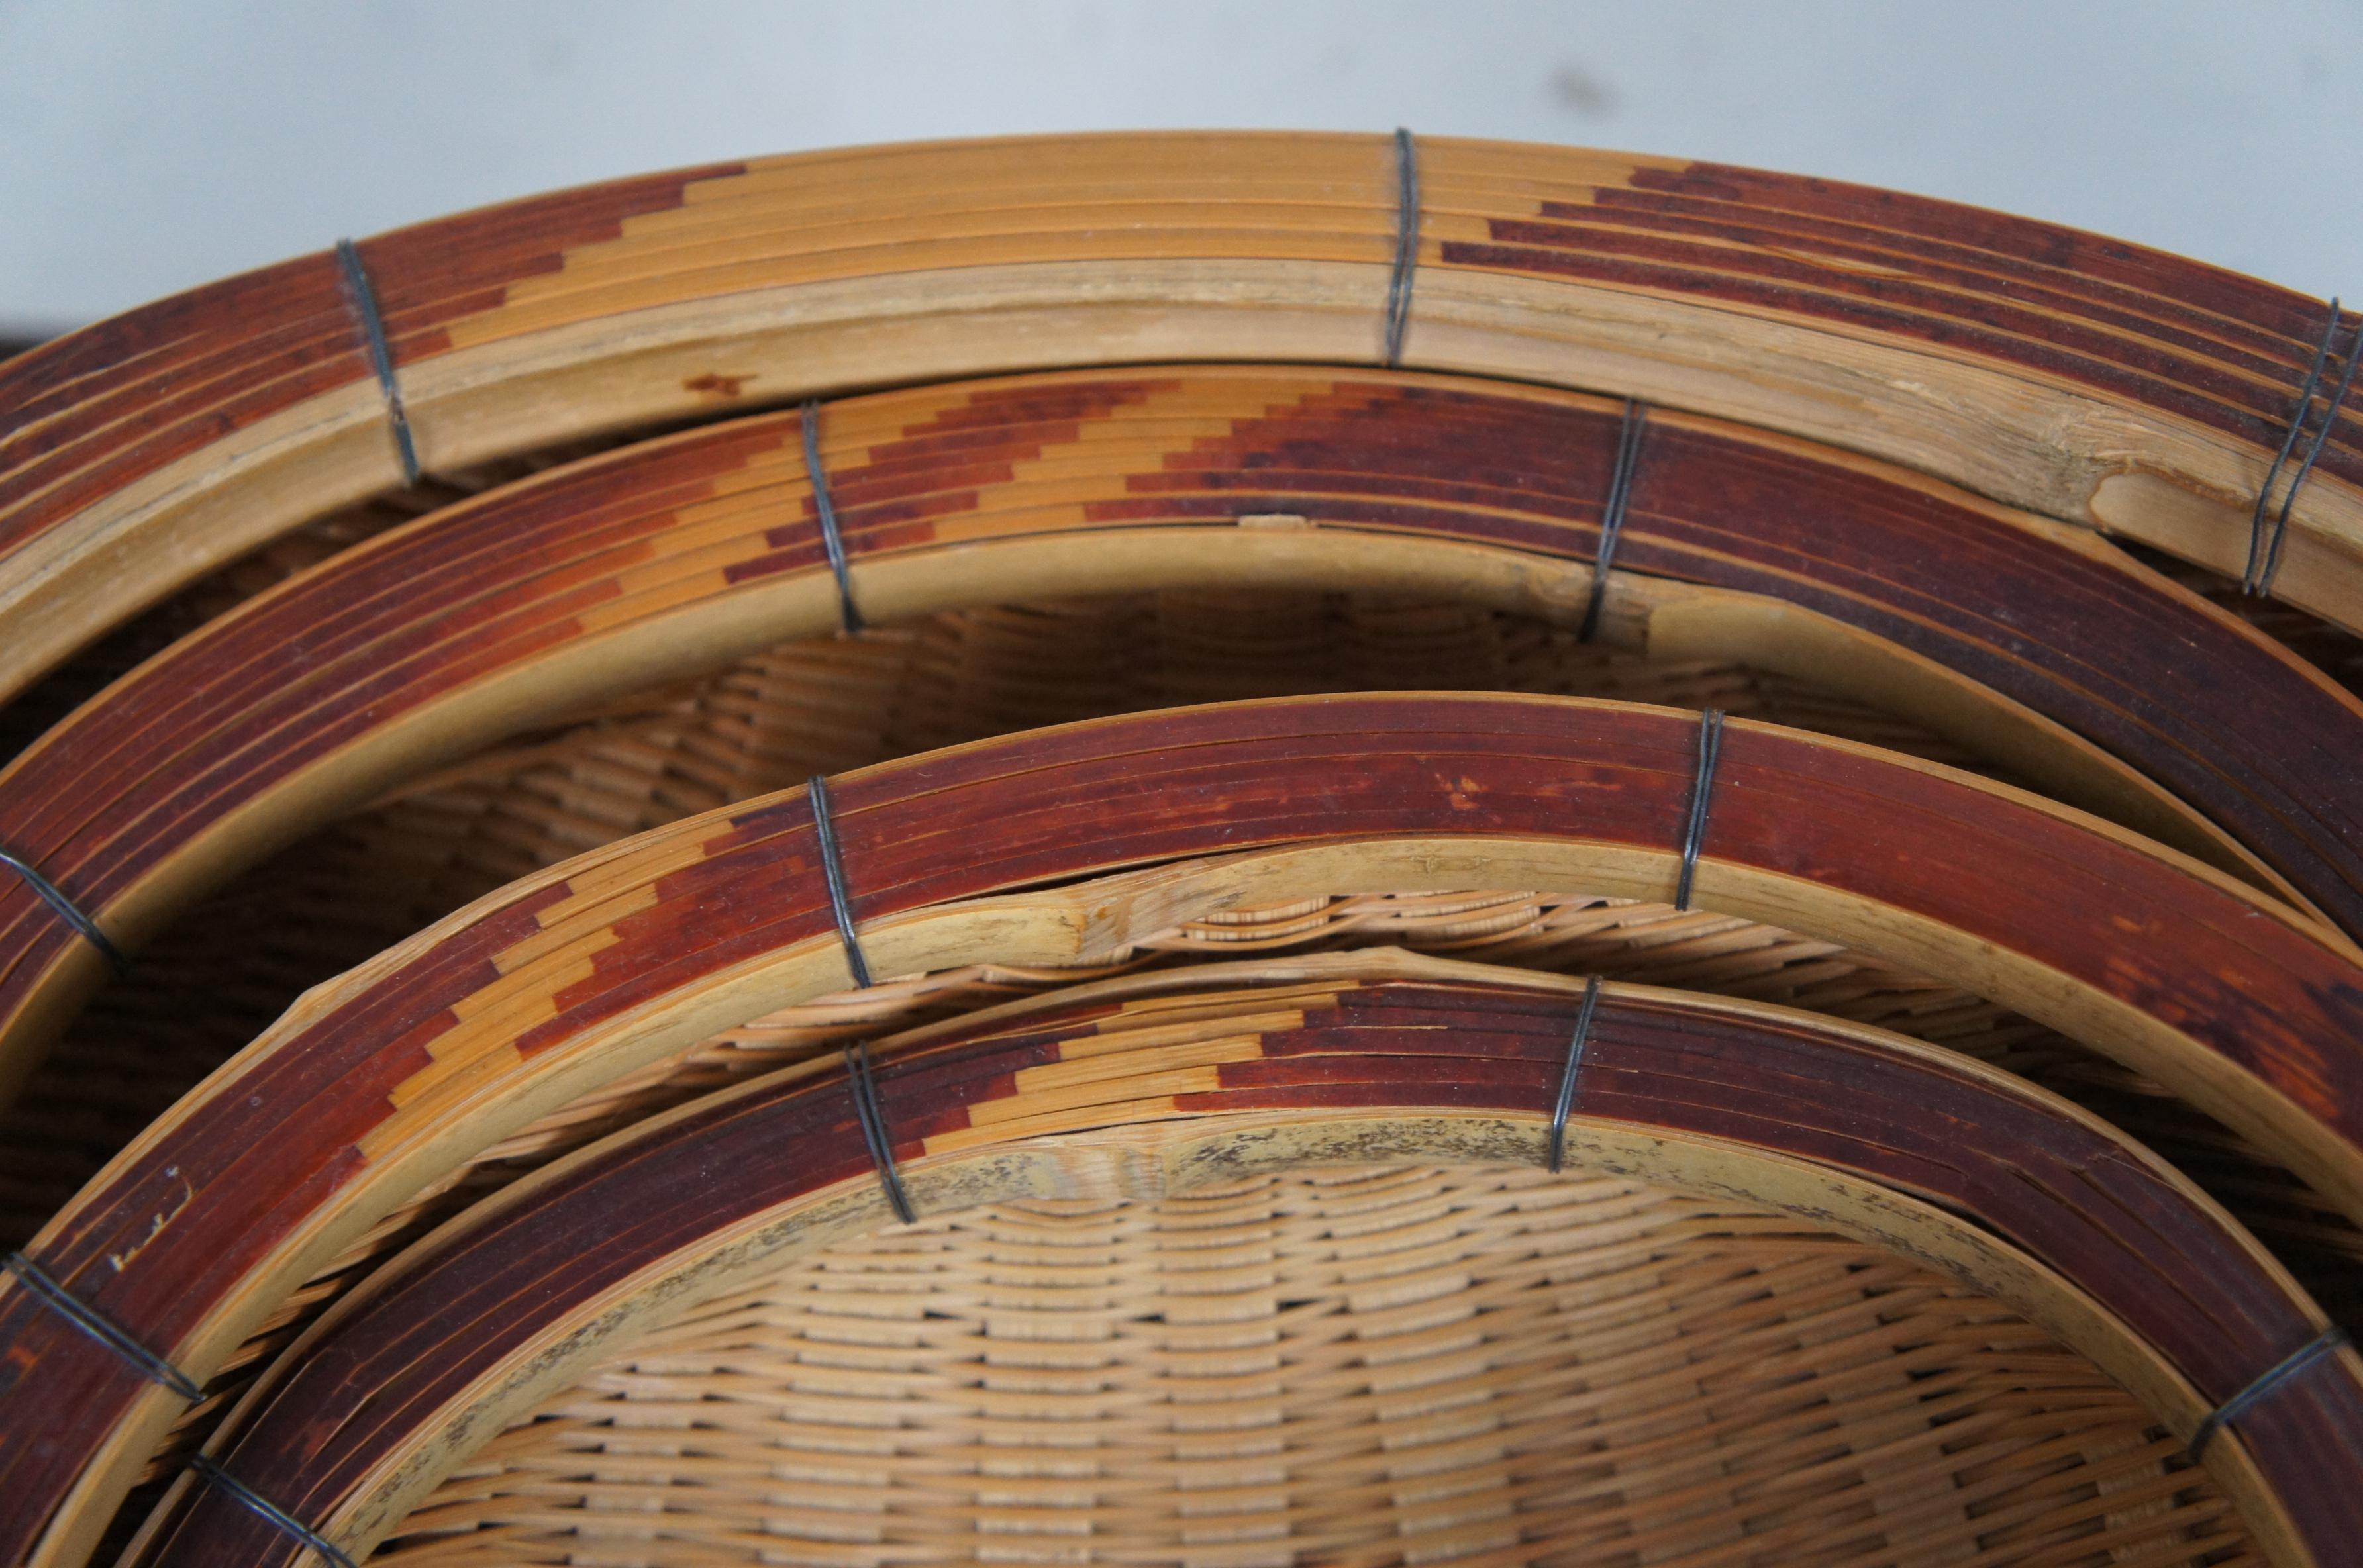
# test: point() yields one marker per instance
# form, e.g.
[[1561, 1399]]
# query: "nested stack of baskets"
[[1200, 849]]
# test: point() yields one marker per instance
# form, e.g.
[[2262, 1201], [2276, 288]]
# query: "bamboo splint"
[[2079, 378], [677, 556], [1388, 1056], [473, 1029]]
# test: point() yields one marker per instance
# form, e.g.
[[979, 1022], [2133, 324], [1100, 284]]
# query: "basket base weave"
[[1355, 1366]]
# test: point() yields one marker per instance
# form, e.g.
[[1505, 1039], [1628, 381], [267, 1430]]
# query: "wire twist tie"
[[2320, 1348], [67, 910], [831, 540], [1566, 1101], [2265, 544], [867, 1109], [1701, 793], [1612, 510], [263, 1508], [1406, 246], [86, 1317], [363, 299]]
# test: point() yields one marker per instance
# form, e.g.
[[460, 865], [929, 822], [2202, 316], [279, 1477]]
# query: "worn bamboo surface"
[[2079, 378], [406, 1375], [677, 556], [1567, 935], [450, 1039], [1438, 1364]]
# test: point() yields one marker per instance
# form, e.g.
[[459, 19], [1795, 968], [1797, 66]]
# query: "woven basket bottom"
[[1358, 1367]]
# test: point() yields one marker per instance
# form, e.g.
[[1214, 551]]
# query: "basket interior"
[[1355, 1365]]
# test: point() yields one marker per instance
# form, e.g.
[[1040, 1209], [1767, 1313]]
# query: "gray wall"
[[146, 147]]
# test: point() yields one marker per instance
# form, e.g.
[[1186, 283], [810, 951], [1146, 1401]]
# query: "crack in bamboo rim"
[[2240, 975], [361, 651], [2084, 379], [435, 1372]]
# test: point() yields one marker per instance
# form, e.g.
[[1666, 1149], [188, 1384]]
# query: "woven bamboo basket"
[[830, 704], [331, 902], [1389, 1359]]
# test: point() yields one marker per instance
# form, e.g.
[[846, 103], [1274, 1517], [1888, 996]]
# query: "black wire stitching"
[[848, 617], [2321, 1347], [263, 1508], [860, 1074], [86, 1317], [363, 298], [1566, 1102], [1407, 216], [1701, 794], [1612, 511], [67, 910]]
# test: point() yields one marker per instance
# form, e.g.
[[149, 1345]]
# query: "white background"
[[145, 146]]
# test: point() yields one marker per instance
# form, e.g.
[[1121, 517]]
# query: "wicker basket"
[[1366, 1364], [2007, 1448]]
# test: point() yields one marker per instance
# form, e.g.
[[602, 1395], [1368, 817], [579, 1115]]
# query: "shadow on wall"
[[12, 347]]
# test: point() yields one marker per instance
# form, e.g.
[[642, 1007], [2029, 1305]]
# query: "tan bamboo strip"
[[2079, 378], [1691, 950], [529, 998], [405, 1377], [222, 976]]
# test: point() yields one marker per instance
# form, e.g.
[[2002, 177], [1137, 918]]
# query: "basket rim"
[[2091, 380]]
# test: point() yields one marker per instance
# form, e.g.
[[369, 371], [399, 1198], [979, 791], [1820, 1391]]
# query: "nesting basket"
[[1444, 854]]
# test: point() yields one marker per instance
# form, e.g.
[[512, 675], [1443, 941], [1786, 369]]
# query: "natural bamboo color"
[[829, 706], [2067, 350], [2079, 378], [1362, 1364]]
